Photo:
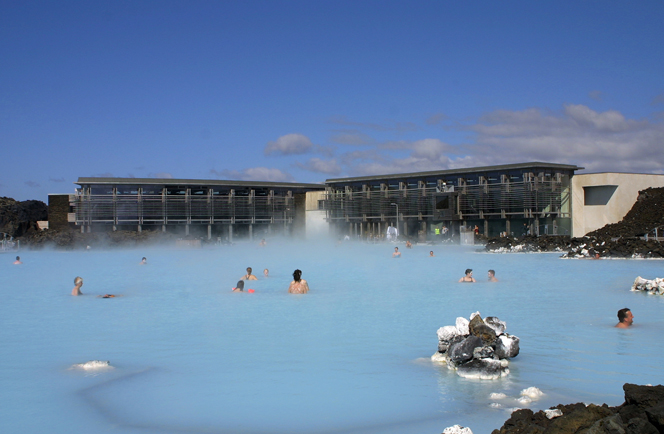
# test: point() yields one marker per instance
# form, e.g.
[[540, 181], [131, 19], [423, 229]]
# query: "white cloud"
[[290, 144], [424, 155], [254, 174], [328, 167], [598, 141]]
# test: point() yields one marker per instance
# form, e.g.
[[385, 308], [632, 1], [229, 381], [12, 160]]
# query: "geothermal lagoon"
[[353, 356]]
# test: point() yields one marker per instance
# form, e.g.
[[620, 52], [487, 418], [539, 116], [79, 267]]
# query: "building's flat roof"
[[447, 172], [201, 182]]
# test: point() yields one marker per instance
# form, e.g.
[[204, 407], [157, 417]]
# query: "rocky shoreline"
[[629, 238], [641, 413]]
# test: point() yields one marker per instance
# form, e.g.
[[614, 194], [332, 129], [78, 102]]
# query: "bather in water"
[[298, 285]]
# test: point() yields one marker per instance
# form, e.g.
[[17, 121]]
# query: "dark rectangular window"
[[598, 194]]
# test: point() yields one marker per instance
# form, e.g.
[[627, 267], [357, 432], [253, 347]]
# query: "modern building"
[[535, 198], [522, 198], [599, 199], [212, 208]]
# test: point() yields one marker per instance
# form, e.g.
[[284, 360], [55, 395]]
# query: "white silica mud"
[[353, 355]]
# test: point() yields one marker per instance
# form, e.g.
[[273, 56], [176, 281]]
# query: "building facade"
[[522, 198], [527, 198], [221, 209]]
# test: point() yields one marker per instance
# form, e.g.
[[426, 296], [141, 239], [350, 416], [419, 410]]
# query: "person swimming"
[[18, 261], [431, 253], [397, 253], [249, 276], [239, 286], [266, 272], [468, 277], [298, 285], [78, 282], [144, 260]]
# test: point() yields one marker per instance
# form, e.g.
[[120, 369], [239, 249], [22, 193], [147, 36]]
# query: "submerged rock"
[[655, 286], [483, 369]]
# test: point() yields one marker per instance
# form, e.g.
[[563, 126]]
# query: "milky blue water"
[[349, 357]]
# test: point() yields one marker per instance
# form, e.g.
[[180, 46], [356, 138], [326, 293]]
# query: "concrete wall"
[[316, 223], [587, 218]]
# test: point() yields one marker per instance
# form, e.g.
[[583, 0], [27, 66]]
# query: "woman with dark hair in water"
[[468, 277], [298, 285]]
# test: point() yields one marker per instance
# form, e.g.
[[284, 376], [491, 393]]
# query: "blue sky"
[[305, 91]]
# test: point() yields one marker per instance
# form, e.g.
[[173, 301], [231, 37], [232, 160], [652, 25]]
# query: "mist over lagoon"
[[351, 356]]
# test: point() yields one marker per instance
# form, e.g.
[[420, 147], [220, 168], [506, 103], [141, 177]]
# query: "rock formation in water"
[[654, 286], [476, 348], [641, 413], [18, 218]]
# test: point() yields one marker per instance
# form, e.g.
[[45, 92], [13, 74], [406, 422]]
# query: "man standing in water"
[[492, 276], [18, 261], [625, 318]]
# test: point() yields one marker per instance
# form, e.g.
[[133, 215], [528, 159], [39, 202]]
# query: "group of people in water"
[[297, 286], [468, 276], [300, 286]]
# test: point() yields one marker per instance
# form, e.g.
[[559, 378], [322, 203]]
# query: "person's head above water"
[[625, 318], [297, 275], [78, 281], [431, 253], [468, 271], [248, 270], [266, 272], [239, 286]]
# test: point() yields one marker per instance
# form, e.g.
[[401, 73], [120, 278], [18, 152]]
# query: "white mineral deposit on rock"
[[478, 348], [553, 412], [92, 365], [439, 358], [655, 286], [446, 333], [457, 429], [462, 326]]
